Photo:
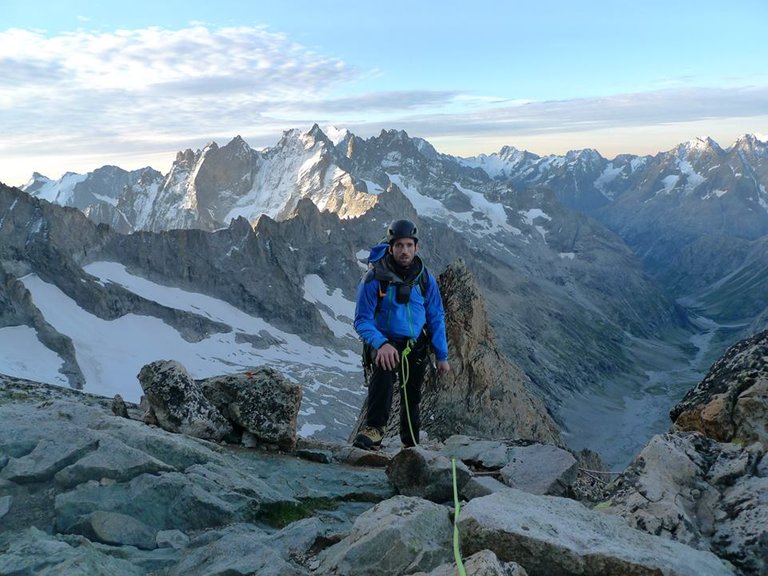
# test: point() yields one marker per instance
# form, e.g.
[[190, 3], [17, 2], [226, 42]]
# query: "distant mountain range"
[[606, 281]]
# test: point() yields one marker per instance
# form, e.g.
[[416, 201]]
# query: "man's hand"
[[387, 357], [443, 367]]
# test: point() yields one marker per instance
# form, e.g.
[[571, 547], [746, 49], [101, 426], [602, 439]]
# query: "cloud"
[[153, 91], [171, 79], [591, 114]]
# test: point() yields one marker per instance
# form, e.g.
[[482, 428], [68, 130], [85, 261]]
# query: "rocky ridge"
[[83, 487]]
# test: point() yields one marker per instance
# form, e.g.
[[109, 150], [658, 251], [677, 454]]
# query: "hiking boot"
[[369, 438]]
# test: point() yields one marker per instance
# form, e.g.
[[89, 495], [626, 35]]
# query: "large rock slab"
[[551, 536], [540, 469], [401, 535]]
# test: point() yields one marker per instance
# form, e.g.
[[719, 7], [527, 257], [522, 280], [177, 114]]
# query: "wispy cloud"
[[154, 90], [171, 79]]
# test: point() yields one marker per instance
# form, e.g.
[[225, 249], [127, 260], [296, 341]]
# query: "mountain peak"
[[699, 144], [752, 143], [584, 155]]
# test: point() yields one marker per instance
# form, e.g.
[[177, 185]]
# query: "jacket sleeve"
[[436, 319], [365, 310]]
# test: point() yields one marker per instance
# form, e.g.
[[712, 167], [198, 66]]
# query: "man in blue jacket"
[[399, 314]]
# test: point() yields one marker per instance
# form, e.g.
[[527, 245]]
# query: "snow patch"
[[715, 194], [111, 352], [22, 355], [337, 312]]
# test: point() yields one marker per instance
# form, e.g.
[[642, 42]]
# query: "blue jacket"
[[395, 321]]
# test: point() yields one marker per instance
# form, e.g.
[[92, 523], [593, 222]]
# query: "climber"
[[399, 314]]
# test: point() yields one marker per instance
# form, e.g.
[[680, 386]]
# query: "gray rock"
[[239, 549], [481, 486], [483, 563], [171, 500], [540, 469], [32, 552], [111, 460], [489, 454], [50, 455], [175, 539], [761, 469], [262, 402], [742, 534], [178, 404], [401, 535], [701, 492], [117, 529], [118, 407], [5, 505], [548, 535], [427, 474]]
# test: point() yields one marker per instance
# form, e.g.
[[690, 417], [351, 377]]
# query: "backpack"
[[377, 253]]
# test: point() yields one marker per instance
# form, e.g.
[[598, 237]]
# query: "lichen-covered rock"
[[731, 402], [262, 402], [706, 494], [178, 404]]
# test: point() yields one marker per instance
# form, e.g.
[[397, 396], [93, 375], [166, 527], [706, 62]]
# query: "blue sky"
[[88, 83]]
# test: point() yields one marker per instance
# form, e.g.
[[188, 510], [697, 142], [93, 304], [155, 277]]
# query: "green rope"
[[457, 508], [404, 374]]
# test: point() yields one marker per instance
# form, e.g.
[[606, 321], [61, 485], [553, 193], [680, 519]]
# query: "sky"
[[87, 83]]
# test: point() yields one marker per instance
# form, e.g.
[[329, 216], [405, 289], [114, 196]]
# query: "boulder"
[[49, 456], [116, 529], [261, 402], [550, 536], [33, 551], [177, 403], [695, 490], [540, 469], [401, 535], [426, 474], [483, 563]]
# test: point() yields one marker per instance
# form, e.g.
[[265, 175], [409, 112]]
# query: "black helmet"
[[402, 229]]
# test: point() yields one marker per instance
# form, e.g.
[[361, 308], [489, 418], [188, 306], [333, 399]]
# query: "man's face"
[[403, 251]]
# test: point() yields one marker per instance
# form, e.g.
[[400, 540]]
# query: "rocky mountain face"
[[579, 306], [696, 215], [108, 195]]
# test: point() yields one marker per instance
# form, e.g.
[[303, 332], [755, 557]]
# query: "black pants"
[[381, 384]]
